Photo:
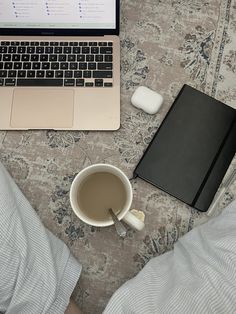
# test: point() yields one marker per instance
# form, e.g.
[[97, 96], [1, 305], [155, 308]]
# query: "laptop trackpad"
[[42, 108]]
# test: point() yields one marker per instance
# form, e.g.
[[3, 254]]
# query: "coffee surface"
[[99, 192]]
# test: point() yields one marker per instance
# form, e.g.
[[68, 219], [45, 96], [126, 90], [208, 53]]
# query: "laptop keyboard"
[[42, 63]]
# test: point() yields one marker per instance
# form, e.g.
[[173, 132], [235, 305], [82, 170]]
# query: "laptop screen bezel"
[[65, 32]]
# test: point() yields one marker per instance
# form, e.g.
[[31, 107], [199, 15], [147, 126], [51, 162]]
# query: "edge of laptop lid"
[[66, 32]]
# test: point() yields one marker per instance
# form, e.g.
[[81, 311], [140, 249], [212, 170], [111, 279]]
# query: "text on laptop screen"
[[71, 14]]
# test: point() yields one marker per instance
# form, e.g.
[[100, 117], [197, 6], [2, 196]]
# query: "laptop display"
[[58, 14]]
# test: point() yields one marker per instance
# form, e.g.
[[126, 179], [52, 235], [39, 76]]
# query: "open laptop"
[[59, 64]]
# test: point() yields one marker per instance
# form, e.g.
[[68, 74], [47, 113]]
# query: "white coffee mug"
[[124, 214]]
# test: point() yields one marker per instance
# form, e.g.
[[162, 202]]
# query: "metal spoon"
[[120, 228]]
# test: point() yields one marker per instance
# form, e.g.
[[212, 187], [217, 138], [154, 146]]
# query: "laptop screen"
[[69, 17], [95, 14]]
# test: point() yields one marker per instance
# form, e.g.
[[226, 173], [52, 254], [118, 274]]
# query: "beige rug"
[[164, 44]]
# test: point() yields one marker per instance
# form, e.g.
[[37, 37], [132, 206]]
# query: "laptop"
[[59, 65]]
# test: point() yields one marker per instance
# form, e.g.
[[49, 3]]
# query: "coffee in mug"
[[99, 192], [96, 189]]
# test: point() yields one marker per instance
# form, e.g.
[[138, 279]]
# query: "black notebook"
[[192, 149]]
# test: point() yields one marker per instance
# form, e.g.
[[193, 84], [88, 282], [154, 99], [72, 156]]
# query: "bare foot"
[[72, 308]]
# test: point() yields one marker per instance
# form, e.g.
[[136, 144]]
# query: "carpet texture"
[[164, 44]]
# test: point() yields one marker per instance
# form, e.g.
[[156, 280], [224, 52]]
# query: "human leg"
[[198, 276], [38, 273]]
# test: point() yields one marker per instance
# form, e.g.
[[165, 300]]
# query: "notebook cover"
[[192, 149]]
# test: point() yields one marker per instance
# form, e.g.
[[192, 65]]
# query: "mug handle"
[[133, 221]]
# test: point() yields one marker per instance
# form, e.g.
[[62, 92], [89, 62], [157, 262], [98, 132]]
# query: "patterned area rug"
[[164, 44]]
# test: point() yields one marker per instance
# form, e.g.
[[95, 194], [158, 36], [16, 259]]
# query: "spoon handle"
[[120, 228]]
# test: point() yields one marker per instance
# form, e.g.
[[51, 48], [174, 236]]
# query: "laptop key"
[[12, 49], [54, 43], [80, 82], [21, 73], [85, 50], [64, 66], [60, 58], [99, 82], [26, 65], [1, 65], [92, 66], [102, 74], [108, 84], [89, 84], [39, 82], [34, 57], [3, 73], [44, 58], [67, 50], [76, 50], [71, 57], [40, 73], [80, 57], [3, 49], [58, 73], [44, 43], [69, 82], [108, 58], [102, 43], [83, 66], [73, 43], [17, 65], [104, 66], [12, 73], [25, 58], [58, 50], [53, 58], [21, 49], [90, 58], [49, 73], [87, 74], [6, 57], [15, 57], [8, 65], [45, 65], [40, 49], [48, 49], [94, 50], [73, 66], [30, 73], [68, 74], [77, 74], [106, 50], [30, 49], [10, 82], [36, 65], [55, 65], [99, 58], [1, 82]]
